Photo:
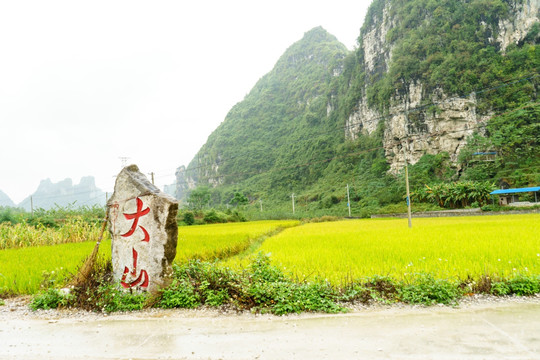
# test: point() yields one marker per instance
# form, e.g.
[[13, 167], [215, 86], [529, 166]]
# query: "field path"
[[485, 330]]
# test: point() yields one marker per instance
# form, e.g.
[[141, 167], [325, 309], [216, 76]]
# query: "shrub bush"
[[524, 285], [180, 294], [261, 287], [214, 217], [500, 288], [428, 291], [189, 218], [111, 298]]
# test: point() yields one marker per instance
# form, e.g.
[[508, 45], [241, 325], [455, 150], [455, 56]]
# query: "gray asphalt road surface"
[[488, 331]]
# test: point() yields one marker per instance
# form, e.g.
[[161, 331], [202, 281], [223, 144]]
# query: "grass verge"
[[265, 288]]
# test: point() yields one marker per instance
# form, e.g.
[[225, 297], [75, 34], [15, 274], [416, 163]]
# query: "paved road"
[[507, 331]]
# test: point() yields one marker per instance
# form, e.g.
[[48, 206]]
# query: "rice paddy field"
[[29, 255], [23, 270], [219, 241], [340, 252], [457, 247], [73, 230]]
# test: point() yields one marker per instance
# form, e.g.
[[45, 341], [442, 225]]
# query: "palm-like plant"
[[455, 195]]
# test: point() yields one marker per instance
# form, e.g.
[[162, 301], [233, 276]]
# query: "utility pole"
[[260, 201], [348, 200], [32, 205], [152, 174], [124, 160], [199, 167], [292, 196], [407, 173], [408, 193]]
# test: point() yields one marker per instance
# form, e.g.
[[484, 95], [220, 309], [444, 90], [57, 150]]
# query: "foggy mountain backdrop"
[[64, 194]]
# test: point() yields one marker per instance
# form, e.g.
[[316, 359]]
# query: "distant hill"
[[65, 193], [284, 120], [5, 200]]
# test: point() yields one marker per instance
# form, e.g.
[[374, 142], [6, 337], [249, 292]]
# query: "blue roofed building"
[[511, 196]]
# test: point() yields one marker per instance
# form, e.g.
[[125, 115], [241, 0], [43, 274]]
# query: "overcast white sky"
[[83, 83]]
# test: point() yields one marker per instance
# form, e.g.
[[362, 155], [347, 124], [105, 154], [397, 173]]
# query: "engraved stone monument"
[[144, 233]]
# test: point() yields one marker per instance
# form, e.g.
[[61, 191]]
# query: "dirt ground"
[[477, 329]]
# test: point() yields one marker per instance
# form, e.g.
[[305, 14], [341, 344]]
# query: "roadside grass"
[[261, 287]]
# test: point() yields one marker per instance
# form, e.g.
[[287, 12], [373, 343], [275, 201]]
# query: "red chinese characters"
[[135, 217], [136, 278], [142, 280]]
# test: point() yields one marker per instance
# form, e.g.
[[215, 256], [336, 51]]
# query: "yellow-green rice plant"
[[23, 270], [502, 246], [218, 241], [73, 230]]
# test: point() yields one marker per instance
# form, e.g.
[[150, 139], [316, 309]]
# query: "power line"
[[296, 166], [93, 199], [520, 169], [56, 196], [519, 176]]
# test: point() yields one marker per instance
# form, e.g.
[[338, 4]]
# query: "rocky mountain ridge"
[[412, 130], [5, 200], [64, 193]]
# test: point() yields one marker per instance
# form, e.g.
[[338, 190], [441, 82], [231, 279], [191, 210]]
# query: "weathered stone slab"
[[144, 233]]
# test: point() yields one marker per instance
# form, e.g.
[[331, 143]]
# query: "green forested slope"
[[282, 122]]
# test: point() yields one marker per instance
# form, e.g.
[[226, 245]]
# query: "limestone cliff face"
[[187, 178], [414, 131], [377, 50], [514, 29], [411, 128], [377, 53], [184, 183]]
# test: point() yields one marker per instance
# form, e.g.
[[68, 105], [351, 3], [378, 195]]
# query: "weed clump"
[[524, 285], [96, 292], [427, 290], [260, 288], [50, 299]]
